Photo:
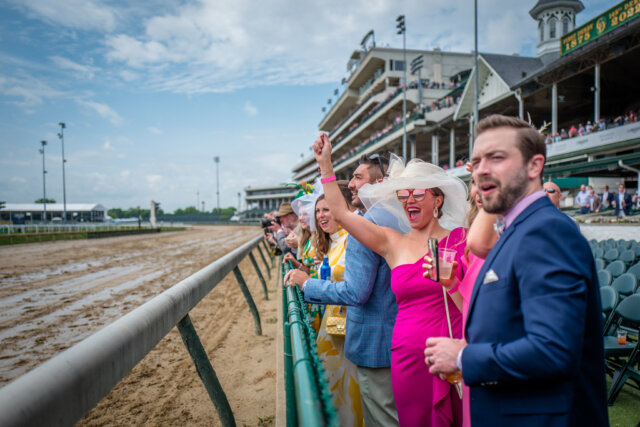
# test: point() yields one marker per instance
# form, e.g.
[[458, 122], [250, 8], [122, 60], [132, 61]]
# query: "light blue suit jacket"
[[372, 309]]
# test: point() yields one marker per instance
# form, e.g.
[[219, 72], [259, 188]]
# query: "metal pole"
[[404, 96], [596, 95], [206, 372], [475, 58], [264, 284], [554, 109], [257, 327], [64, 185], [217, 160], [452, 146], [265, 261], [44, 184]]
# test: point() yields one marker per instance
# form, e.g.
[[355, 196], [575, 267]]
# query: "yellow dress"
[[341, 374]]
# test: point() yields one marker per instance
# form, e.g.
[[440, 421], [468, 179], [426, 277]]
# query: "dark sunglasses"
[[378, 158], [418, 194], [550, 190]]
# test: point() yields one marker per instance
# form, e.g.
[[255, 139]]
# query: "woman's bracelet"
[[328, 179], [455, 288]]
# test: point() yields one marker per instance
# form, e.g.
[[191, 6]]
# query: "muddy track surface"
[[54, 294]]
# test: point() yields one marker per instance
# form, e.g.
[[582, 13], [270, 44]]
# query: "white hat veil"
[[416, 174]]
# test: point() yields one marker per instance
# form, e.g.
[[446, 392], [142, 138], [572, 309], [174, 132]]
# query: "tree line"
[[134, 212]]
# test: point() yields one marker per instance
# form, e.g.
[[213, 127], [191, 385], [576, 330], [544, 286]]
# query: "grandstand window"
[[541, 30], [397, 65], [565, 25], [552, 28]]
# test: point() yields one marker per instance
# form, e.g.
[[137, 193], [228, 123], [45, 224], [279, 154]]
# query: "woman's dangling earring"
[[435, 212]]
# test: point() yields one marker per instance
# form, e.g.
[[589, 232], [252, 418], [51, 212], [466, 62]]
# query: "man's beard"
[[356, 202], [505, 197]]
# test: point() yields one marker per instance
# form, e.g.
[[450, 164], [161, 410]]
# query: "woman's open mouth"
[[413, 212]]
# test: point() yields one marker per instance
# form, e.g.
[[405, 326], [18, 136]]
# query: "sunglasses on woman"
[[418, 194]]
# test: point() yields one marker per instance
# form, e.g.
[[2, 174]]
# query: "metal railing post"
[[264, 284], [205, 371], [257, 327], [265, 261]]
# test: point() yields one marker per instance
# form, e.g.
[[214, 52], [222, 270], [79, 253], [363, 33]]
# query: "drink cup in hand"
[[447, 258], [454, 377]]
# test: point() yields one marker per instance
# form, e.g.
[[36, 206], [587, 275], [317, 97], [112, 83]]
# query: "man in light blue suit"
[[534, 326], [372, 308]]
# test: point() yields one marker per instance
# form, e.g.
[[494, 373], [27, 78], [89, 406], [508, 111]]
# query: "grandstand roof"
[[52, 207], [512, 68]]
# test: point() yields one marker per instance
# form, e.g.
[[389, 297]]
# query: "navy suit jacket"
[[627, 204], [372, 304], [534, 327]]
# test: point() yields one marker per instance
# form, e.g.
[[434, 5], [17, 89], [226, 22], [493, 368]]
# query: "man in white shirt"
[[582, 199]]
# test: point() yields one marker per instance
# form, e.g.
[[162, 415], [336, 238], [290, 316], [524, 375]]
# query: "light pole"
[[475, 56], [216, 159], [44, 185], [402, 30], [239, 201], [197, 199], [64, 186]]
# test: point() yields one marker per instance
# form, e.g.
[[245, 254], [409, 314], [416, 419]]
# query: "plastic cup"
[[454, 377], [622, 337], [446, 259]]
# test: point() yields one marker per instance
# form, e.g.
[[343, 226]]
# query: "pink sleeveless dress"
[[423, 399]]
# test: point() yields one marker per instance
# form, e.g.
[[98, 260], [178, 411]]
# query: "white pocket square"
[[490, 277]]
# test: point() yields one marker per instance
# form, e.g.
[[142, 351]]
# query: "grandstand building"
[[580, 76], [260, 200], [27, 213]]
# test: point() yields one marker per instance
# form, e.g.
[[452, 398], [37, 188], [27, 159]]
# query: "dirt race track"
[[54, 294]]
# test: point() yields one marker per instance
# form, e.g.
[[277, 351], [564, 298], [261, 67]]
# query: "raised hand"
[[322, 151]]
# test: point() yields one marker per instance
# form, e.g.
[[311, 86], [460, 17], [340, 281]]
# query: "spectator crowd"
[[441, 305]]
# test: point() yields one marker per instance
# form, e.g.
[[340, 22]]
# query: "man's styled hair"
[[376, 164], [530, 141]]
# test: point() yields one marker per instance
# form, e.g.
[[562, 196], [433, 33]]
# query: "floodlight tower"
[[403, 30], [44, 184], [64, 186], [216, 159]]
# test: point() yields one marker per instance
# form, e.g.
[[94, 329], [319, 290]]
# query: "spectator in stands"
[[620, 120], [607, 198], [573, 131], [553, 192], [636, 200], [557, 137], [372, 308], [581, 130], [622, 202], [595, 203], [563, 134], [549, 139], [589, 127], [582, 199], [602, 125]]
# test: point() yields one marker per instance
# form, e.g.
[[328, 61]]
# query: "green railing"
[[309, 401]]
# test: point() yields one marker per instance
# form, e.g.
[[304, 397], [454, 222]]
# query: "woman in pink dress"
[[431, 203]]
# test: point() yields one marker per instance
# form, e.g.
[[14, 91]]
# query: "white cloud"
[[155, 130], [18, 179], [107, 145], [79, 14], [103, 110], [30, 90], [250, 109], [84, 71]]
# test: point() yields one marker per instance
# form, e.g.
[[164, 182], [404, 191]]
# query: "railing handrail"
[[61, 390], [310, 395]]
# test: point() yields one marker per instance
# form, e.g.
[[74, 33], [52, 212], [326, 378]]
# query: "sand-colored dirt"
[[55, 294]]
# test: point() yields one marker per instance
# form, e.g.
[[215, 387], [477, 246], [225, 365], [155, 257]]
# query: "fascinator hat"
[[305, 205], [416, 174]]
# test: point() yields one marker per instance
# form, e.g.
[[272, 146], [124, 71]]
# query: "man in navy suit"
[[622, 202], [534, 328], [372, 307]]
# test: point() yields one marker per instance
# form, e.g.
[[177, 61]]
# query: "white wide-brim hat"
[[417, 174]]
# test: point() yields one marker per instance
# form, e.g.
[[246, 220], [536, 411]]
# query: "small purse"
[[337, 325]]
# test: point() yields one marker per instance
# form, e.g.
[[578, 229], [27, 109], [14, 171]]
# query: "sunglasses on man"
[[550, 190], [378, 158]]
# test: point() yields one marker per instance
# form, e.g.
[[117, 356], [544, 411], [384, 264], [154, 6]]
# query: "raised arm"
[[372, 236], [482, 236]]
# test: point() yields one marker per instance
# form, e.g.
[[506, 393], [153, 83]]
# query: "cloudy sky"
[[152, 90]]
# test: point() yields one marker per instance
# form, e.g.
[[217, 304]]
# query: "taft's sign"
[[600, 25]]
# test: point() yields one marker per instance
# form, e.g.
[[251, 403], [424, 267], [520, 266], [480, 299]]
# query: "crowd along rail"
[[309, 400], [61, 390]]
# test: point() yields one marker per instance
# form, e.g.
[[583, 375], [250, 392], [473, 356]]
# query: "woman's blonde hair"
[[322, 239]]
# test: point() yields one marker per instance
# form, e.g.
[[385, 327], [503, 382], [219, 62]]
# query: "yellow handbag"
[[337, 325]]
